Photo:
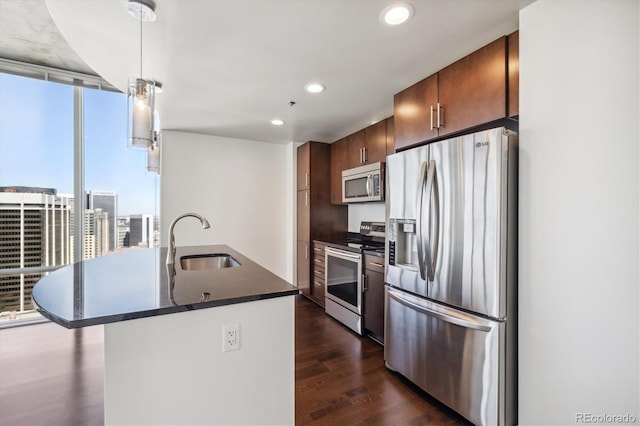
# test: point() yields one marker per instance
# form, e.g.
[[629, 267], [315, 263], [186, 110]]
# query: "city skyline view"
[[37, 184], [36, 143]]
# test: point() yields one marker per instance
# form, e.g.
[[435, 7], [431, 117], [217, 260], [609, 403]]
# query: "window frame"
[[79, 81]]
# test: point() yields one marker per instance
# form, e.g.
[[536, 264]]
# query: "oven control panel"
[[374, 229]]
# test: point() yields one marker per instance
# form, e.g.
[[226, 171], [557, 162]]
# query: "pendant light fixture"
[[153, 154], [141, 91]]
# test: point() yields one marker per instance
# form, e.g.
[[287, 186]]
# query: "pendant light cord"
[[141, 45]]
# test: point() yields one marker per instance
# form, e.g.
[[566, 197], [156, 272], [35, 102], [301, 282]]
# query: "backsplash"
[[373, 212]]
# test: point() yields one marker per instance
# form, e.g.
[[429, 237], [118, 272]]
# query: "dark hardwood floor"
[[341, 379], [53, 376]]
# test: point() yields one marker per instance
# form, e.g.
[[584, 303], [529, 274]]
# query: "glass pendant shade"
[[153, 155], [141, 107]]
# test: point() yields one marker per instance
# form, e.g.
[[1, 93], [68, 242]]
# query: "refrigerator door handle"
[[419, 229], [456, 319], [432, 243]]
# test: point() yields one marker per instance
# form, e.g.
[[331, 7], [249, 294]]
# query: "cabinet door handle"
[[364, 282], [306, 198], [431, 119], [306, 251], [440, 123], [364, 155], [306, 179]]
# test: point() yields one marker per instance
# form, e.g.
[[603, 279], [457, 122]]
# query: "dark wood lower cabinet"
[[304, 284], [374, 296], [318, 278]]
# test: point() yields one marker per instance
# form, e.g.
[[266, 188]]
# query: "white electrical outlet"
[[230, 337]]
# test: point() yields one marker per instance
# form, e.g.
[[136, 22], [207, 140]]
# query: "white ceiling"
[[28, 34], [229, 67]]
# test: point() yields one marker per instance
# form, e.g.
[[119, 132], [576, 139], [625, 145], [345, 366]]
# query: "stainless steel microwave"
[[364, 183]]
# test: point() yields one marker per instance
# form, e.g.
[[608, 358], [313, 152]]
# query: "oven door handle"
[[342, 254]]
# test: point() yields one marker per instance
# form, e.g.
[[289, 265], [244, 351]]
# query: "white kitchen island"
[[164, 358]]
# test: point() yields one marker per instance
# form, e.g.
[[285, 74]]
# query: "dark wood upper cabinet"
[[513, 50], [304, 167], [339, 162], [470, 92], [368, 145], [375, 142], [355, 141], [390, 142], [473, 90], [412, 109]]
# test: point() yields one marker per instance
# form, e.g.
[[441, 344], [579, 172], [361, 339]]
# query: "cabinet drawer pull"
[[379, 265]]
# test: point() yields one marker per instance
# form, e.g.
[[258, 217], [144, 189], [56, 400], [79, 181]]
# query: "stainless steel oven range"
[[343, 274]]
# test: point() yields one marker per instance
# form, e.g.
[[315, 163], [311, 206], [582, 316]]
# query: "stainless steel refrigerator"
[[451, 251]]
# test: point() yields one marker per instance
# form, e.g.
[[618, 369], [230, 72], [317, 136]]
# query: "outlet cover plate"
[[230, 337]]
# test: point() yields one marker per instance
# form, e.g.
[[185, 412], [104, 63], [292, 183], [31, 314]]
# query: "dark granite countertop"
[[136, 284]]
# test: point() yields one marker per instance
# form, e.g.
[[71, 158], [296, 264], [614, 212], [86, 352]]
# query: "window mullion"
[[78, 174]]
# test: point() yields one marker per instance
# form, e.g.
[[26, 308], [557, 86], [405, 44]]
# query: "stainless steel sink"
[[208, 261]]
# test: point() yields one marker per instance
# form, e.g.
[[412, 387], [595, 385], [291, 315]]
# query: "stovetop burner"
[[370, 238]]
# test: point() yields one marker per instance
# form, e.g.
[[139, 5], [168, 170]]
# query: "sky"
[[36, 143]]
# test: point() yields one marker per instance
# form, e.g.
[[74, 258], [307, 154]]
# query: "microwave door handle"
[[419, 229], [369, 179], [432, 191]]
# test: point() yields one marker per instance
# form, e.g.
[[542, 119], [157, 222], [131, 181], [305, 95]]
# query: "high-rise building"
[[96, 233], [107, 201], [34, 231], [141, 230], [123, 231]]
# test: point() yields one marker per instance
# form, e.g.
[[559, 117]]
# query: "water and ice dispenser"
[[403, 247]]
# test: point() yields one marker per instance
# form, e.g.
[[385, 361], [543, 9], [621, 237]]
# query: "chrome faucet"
[[171, 252]]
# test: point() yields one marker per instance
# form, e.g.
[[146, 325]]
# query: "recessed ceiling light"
[[315, 88], [277, 122], [396, 14]]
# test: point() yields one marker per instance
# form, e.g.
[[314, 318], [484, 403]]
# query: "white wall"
[[244, 189], [170, 369], [579, 216]]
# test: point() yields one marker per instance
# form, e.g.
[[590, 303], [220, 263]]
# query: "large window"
[[63, 153]]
